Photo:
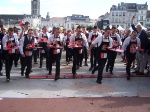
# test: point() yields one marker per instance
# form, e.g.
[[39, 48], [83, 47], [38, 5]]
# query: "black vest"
[[26, 42], [131, 48], [94, 36]]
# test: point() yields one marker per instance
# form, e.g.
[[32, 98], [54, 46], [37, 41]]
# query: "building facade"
[[35, 8], [124, 12]]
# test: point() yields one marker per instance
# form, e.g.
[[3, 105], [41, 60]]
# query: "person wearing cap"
[[130, 46], [27, 44], [93, 57], [55, 45], [117, 43], [78, 41], [104, 42], [140, 55], [10, 43], [43, 38]]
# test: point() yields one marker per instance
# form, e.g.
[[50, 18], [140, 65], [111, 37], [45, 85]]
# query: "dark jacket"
[[143, 38]]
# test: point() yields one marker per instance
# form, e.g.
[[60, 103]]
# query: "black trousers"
[[85, 54], [130, 57], [68, 54], [9, 58], [100, 68], [44, 55], [26, 62], [1, 62], [54, 58], [111, 59], [16, 58], [77, 59], [93, 59]]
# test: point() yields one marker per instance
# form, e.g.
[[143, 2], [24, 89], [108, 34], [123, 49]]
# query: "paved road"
[[20, 87]]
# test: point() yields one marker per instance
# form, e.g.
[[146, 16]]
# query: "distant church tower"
[[35, 7]]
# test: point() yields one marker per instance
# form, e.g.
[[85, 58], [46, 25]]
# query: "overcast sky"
[[62, 8]]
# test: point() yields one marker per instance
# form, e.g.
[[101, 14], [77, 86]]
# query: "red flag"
[[20, 23]]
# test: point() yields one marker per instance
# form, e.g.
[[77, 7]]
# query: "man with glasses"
[[27, 44], [78, 41], [131, 45]]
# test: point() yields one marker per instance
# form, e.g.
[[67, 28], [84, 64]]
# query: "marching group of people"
[[102, 46]]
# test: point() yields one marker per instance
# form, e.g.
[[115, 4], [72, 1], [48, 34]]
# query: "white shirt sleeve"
[[98, 41], [90, 36], [110, 42], [85, 41], [16, 40], [21, 45], [50, 39], [4, 42], [119, 39]]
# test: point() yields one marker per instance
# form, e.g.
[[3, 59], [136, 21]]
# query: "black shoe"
[[128, 77], [85, 64], [27, 76], [31, 70], [140, 73], [90, 68], [136, 72], [15, 65], [22, 74], [148, 72], [50, 73], [77, 67], [56, 78], [111, 72], [74, 75], [93, 71], [99, 82], [8, 79], [80, 65], [40, 66]]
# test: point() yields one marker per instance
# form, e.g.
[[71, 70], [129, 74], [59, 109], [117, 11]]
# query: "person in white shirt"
[[78, 40], [36, 50], [55, 43], [68, 50], [43, 38], [27, 44], [93, 57], [104, 43], [112, 54], [10, 42], [131, 45]]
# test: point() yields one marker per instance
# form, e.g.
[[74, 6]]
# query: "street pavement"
[[112, 87]]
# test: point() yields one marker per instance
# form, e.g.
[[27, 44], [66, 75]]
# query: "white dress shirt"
[[43, 34], [6, 39], [127, 41], [22, 44], [92, 33], [118, 38], [85, 43], [52, 39], [99, 40]]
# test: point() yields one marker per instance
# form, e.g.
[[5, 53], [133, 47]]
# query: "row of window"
[[118, 14]]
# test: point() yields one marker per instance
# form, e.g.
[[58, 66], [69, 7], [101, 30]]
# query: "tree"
[[89, 28]]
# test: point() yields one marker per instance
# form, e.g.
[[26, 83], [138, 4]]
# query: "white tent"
[[120, 28]]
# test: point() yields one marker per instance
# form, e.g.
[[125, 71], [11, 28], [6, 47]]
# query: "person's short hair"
[[128, 30], [26, 23], [95, 27], [69, 31], [79, 27], [30, 30], [139, 26], [134, 32], [114, 27], [11, 29], [107, 29], [83, 27]]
